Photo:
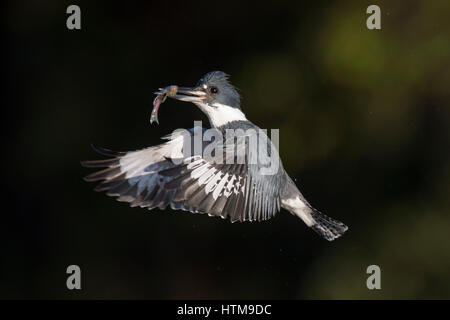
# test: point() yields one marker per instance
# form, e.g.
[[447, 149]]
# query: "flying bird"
[[173, 174]]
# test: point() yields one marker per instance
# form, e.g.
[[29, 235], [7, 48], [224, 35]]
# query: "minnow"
[[162, 95]]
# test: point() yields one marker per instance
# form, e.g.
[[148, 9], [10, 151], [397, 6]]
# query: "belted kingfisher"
[[238, 190]]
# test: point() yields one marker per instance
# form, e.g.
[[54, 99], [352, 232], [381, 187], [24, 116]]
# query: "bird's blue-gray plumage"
[[156, 180], [227, 95], [168, 175]]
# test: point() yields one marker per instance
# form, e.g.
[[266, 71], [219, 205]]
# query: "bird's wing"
[[134, 176], [160, 176]]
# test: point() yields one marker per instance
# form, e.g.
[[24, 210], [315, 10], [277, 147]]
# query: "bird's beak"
[[194, 94]]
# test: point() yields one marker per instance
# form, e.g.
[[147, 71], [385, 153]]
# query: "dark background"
[[364, 127]]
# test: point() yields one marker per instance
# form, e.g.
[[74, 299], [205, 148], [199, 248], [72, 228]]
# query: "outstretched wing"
[[162, 175], [133, 177]]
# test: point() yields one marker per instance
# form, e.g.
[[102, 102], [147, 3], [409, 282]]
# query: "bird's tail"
[[325, 226], [293, 201]]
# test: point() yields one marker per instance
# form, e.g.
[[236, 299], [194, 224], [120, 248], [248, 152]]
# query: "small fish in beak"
[[162, 95]]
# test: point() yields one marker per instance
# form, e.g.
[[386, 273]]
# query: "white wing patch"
[[198, 172], [135, 162], [229, 189], [219, 186], [215, 181]]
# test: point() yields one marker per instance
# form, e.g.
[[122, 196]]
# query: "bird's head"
[[215, 96], [212, 89]]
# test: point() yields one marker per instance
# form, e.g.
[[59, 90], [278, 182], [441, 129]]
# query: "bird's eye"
[[213, 90]]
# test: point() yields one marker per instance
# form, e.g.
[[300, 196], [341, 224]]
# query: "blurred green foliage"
[[364, 127]]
